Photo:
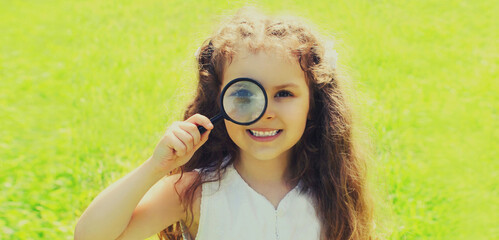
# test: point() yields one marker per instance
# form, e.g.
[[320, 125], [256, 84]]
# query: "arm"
[[110, 212], [158, 210], [116, 212]]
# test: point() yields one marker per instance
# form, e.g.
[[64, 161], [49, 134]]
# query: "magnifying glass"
[[243, 101]]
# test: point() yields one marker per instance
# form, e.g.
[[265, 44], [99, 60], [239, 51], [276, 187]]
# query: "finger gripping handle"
[[201, 129], [213, 120]]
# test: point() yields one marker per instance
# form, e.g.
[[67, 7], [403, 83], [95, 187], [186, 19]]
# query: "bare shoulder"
[[170, 189], [160, 207], [192, 221], [184, 183]]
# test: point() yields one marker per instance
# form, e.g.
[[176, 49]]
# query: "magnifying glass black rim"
[[232, 82]]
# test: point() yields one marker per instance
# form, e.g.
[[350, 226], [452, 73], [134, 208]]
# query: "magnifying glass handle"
[[213, 120]]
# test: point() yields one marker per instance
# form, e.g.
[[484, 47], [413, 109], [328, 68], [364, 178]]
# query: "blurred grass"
[[88, 87]]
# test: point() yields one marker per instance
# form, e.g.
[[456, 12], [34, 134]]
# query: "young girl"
[[294, 174]]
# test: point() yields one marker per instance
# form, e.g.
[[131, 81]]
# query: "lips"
[[264, 135]]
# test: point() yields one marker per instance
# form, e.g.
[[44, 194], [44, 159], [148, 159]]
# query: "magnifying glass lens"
[[244, 101]]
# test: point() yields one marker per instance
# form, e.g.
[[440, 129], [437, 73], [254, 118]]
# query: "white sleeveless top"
[[236, 211]]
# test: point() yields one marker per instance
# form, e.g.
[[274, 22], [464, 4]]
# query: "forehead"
[[270, 68]]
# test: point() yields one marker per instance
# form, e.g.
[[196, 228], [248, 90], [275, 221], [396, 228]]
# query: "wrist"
[[158, 167]]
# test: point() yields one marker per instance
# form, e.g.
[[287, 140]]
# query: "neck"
[[269, 172]]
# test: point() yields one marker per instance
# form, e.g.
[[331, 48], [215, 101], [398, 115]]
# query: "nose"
[[269, 112]]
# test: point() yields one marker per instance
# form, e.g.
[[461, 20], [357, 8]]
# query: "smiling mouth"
[[264, 133]]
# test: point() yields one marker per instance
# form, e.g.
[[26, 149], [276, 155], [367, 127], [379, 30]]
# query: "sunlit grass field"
[[88, 87]]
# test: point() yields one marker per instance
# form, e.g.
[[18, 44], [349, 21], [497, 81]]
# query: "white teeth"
[[264, 134]]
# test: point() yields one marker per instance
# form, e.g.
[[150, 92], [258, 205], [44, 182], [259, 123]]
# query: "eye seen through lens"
[[242, 97], [244, 101]]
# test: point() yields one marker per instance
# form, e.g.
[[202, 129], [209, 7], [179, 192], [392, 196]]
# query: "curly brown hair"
[[327, 159]]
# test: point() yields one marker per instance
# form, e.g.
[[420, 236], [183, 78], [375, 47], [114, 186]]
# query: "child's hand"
[[180, 141]]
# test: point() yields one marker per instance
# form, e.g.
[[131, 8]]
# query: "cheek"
[[297, 111], [301, 112], [233, 130], [301, 121]]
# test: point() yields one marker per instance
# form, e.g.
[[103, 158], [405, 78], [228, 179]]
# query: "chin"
[[263, 155]]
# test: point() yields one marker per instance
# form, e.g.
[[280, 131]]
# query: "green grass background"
[[88, 87]]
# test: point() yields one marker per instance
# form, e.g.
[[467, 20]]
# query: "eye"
[[284, 93], [241, 93]]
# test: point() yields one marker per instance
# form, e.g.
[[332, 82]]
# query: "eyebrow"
[[292, 85]]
